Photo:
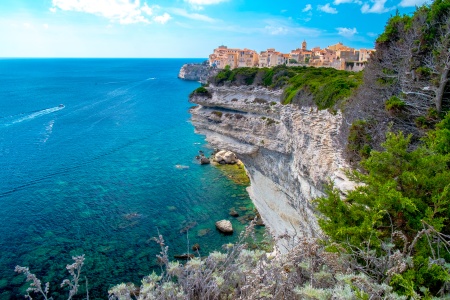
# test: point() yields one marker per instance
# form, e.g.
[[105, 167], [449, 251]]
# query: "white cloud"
[[347, 32], [283, 27], [204, 2], [122, 11], [163, 19], [27, 25], [337, 2], [52, 9], [45, 26], [146, 9], [327, 9], [308, 7], [276, 30], [408, 3], [377, 7], [198, 4], [192, 16]]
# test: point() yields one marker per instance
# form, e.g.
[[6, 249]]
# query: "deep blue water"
[[98, 176]]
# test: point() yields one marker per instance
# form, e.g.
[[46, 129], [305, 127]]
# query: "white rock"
[[226, 156], [224, 226]]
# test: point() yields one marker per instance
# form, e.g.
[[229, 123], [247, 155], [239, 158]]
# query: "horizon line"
[[74, 57]]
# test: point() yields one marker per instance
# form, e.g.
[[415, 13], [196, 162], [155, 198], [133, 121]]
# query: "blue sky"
[[186, 28]]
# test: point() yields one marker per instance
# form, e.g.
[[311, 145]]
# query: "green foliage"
[[243, 75], [392, 29], [202, 91], [428, 120], [394, 104], [222, 76], [327, 85], [424, 277], [401, 190], [359, 139], [217, 113]]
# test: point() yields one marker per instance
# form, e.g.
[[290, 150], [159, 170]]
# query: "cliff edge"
[[196, 72], [290, 152]]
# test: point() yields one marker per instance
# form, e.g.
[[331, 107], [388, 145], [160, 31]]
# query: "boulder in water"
[[224, 226], [204, 161]]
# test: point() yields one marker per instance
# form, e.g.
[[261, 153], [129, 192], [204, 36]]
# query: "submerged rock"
[[204, 161], [184, 256], [203, 232], [196, 247], [224, 226], [233, 213]]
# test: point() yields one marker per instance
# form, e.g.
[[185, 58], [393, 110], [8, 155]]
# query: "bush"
[[217, 113], [394, 104], [327, 86], [359, 140], [201, 91], [395, 223], [306, 271]]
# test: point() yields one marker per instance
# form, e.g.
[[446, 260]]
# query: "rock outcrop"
[[224, 226], [196, 72], [290, 151], [225, 157]]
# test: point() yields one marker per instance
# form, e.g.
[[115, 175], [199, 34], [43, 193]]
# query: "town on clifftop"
[[337, 56]]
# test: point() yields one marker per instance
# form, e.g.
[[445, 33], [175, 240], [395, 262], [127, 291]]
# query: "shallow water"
[[104, 172]]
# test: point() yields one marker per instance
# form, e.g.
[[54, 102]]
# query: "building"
[[336, 56], [233, 57]]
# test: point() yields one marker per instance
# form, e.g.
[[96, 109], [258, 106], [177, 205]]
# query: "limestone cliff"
[[196, 72], [289, 151]]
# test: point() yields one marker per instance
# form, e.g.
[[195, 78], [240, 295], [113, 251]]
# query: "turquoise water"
[[97, 156]]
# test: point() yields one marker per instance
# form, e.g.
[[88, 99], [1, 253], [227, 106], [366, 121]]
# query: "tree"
[[401, 208]]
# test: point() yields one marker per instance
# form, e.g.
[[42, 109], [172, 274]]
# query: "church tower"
[[304, 45]]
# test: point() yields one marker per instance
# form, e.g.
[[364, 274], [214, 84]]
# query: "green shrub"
[[328, 86], [217, 113], [394, 104], [359, 139], [202, 91], [400, 207], [270, 121]]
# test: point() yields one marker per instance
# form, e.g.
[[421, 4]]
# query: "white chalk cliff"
[[289, 151]]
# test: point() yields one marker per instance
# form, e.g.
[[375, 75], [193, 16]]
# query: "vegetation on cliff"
[[406, 83], [396, 224], [326, 85]]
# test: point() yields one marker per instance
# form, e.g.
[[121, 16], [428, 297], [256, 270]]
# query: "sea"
[[97, 157]]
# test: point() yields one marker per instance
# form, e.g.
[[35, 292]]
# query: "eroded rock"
[[224, 226]]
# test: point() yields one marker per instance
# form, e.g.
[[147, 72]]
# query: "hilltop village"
[[336, 56]]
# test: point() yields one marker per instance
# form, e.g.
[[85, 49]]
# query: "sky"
[[187, 28]]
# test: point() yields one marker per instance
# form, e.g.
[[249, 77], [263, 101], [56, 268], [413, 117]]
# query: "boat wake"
[[27, 117]]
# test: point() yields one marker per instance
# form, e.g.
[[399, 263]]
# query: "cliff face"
[[195, 72], [290, 152]]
